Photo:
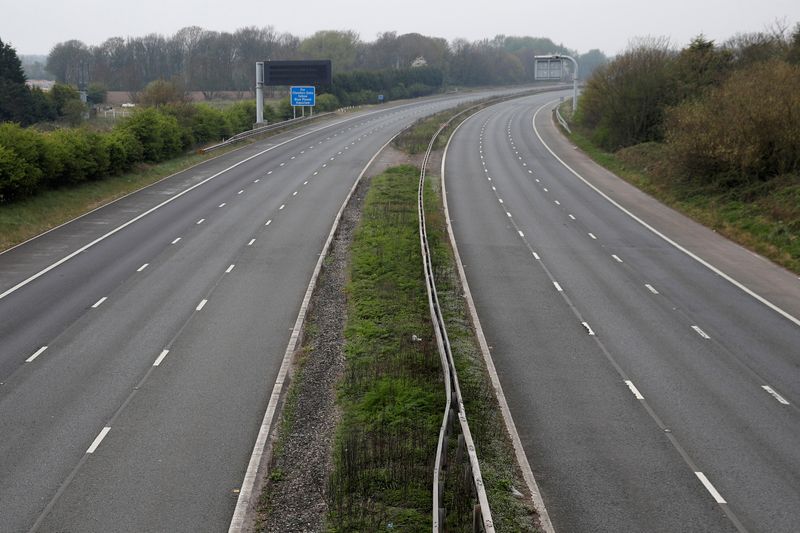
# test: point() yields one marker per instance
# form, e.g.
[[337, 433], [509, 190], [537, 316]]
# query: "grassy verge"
[[763, 216], [22, 220], [391, 396]]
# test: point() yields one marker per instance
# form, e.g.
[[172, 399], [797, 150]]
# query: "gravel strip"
[[295, 495]]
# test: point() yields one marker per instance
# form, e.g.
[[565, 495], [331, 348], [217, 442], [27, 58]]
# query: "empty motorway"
[[139, 344], [651, 387]]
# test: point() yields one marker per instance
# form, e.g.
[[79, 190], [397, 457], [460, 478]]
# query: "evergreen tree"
[[15, 96]]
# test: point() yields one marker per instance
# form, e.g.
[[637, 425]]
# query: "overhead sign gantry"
[[547, 66], [296, 74]]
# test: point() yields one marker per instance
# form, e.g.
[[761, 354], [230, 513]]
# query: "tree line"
[[726, 113], [205, 60]]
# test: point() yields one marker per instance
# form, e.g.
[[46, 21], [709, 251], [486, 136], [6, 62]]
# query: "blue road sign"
[[302, 96]]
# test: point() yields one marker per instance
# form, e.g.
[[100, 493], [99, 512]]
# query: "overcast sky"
[[34, 26]]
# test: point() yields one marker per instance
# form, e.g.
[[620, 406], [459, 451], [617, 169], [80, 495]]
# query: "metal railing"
[[482, 515], [561, 120], [264, 129]]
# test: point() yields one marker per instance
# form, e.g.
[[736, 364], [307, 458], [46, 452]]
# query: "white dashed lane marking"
[[99, 302], [201, 305], [775, 394], [36, 354], [634, 390], [710, 488], [701, 332], [160, 358], [98, 439]]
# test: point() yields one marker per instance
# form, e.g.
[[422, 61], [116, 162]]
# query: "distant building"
[[419, 62], [44, 85]]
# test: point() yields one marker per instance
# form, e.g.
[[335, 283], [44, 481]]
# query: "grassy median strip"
[[391, 396]]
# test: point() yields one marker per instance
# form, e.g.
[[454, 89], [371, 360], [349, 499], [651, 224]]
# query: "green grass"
[[392, 395], [762, 216]]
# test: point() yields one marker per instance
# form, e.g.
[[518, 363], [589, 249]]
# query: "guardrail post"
[[477, 519]]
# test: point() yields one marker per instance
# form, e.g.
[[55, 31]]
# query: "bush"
[[209, 124], [748, 128], [624, 101], [124, 150], [161, 92], [327, 102], [29, 146], [17, 176], [159, 134], [81, 153]]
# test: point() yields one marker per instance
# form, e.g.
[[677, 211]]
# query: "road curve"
[[651, 392], [139, 343]]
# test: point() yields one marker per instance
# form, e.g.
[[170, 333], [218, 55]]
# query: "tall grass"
[[392, 393]]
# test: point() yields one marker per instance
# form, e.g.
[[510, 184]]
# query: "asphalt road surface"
[[651, 393], [139, 344]]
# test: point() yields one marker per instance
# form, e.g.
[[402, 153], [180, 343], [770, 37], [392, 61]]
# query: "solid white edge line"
[[98, 439], [162, 204], [99, 302], [519, 451], [634, 390], [36, 354], [709, 487], [701, 332], [248, 499], [201, 305], [160, 357], [697, 258], [775, 394]]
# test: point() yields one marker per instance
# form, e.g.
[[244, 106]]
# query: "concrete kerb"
[[244, 514]]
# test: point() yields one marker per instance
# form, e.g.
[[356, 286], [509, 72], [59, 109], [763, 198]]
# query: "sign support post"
[[548, 74]]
